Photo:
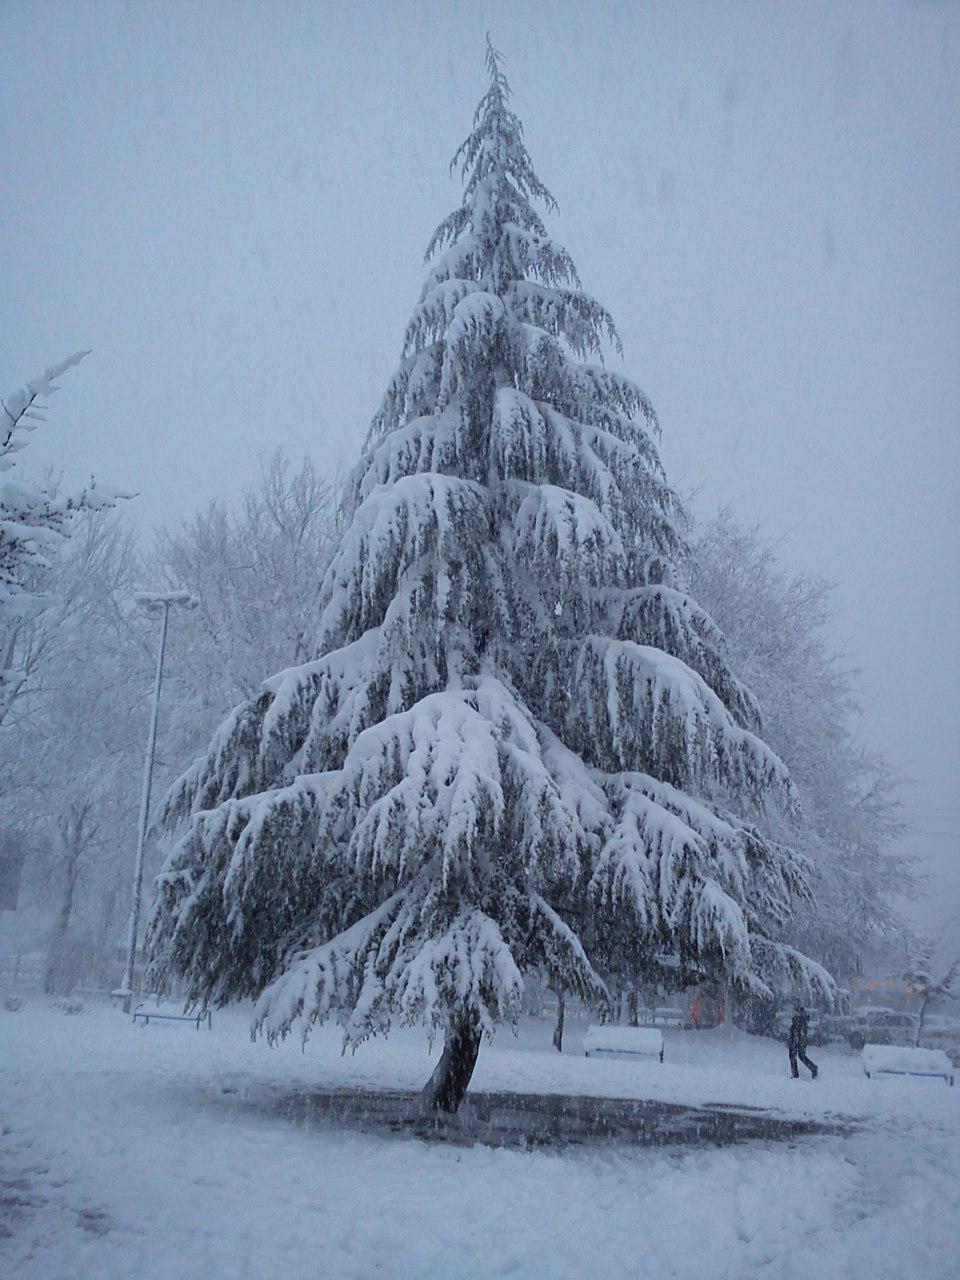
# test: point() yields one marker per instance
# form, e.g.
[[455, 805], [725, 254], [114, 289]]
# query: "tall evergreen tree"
[[520, 734]]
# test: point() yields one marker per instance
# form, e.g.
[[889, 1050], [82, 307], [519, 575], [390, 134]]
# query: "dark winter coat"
[[797, 1035]]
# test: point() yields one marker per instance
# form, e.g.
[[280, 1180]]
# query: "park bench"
[[623, 1042], [146, 1016], [898, 1060]]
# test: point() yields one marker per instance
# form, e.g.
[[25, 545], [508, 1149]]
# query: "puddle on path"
[[527, 1121]]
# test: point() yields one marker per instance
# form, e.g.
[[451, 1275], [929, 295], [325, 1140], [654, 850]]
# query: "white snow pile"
[[166, 1153]]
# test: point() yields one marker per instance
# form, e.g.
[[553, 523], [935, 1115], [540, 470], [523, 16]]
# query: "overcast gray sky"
[[229, 204]]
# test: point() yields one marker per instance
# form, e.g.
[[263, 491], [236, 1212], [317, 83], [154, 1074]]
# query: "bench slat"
[[145, 1015]]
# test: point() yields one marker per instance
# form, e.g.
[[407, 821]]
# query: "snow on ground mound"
[[149, 1152]]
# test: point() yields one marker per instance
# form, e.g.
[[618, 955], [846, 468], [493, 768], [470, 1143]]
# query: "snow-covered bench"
[[146, 1016], [623, 1042], [897, 1060]]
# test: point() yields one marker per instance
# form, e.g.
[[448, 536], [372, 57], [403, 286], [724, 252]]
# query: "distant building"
[[891, 992]]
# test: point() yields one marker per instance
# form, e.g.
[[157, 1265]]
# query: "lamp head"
[[156, 601]]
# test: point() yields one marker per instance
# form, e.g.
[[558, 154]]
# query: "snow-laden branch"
[[33, 521]]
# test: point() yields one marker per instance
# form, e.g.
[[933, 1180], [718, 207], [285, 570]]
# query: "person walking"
[[797, 1042]]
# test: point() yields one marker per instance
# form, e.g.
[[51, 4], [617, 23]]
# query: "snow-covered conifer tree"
[[32, 520], [520, 734]]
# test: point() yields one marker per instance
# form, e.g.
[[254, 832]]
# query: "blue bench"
[[623, 1042], [899, 1060], [147, 1016]]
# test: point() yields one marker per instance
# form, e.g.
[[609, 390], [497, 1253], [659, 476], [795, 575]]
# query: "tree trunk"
[[104, 961], [445, 1089], [54, 977], [608, 1010], [633, 1007], [558, 1029], [727, 1001], [923, 1009]]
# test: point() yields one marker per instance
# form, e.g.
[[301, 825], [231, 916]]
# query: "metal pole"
[[127, 984]]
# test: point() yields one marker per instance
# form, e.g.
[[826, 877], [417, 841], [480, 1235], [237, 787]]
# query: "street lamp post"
[[152, 602]]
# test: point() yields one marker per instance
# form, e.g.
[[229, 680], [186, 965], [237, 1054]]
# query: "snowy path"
[[151, 1153]]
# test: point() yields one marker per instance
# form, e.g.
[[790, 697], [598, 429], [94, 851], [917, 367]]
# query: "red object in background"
[[706, 1012]]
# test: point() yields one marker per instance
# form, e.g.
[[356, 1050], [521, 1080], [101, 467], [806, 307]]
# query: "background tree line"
[[72, 725]]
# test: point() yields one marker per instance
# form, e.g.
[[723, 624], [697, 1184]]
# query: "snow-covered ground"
[[159, 1154]]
